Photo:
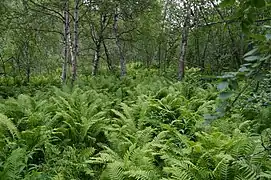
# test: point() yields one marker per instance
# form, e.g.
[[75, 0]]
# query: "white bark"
[[122, 59], [75, 41], [185, 34], [65, 42]]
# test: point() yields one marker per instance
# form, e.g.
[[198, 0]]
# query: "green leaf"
[[251, 52], [245, 27], [267, 26], [225, 95], [258, 3], [265, 58], [225, 3], [251, 58], [258, 37], [255, 65], [243, 69], [223, 85]]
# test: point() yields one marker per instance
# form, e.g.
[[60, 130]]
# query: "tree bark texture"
[[122, 59], [184, 40], [65, 43], [75, 41]]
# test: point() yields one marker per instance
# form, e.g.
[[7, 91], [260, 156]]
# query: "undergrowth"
[[143, 127]]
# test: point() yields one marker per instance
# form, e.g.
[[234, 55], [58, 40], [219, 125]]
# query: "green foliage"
[[141, 128], [145, 126], [14, 165]]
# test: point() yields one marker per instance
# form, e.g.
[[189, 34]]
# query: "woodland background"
[[135, 89]]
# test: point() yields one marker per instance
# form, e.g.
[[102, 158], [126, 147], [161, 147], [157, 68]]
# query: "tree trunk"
[[75, 41], [202, 61], [108, 60], [185, 34], [233, 46], [122, 59], [162, 40], [241, 54], [3, 66], [98, 39], [65, 43], [70, 43], [197, 37], [96, 59], [28, 70]]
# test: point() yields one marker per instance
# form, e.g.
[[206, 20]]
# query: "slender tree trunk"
[[122, 59], [75, 41], [96, 59], [70, 42], [108, 60], [197, 45], [233, 47], [241, 54], [28, 73], [202, 61], [185, 34], [98, 39], [3, 66], [161, 36], [27, 56], [159, 52], [65, 43], [28, 63]]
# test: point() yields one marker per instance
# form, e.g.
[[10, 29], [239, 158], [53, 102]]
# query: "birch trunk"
[[108, 60], [96, 59], [122, 59], [71, 47], [65, 43], [162, 39], [75, 41], [185, 34], [98, 39]]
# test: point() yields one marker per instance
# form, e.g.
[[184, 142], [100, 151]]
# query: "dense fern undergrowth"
[[143, 127]]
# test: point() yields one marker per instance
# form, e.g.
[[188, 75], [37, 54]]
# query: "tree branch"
[[33, 29], [229, 22], [46, 8]]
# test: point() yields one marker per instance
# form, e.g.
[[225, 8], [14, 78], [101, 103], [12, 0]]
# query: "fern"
[[14, 165], [147, 128], [223, 168], [5, 122], [114, 171]]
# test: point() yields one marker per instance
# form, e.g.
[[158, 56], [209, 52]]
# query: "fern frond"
[[14, 165], [113, 171], [177, 173], [246, 171], [7, 123], [222, 170], [265, 174], [140, 174]]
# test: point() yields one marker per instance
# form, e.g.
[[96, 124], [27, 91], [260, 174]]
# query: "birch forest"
[[135, 89]]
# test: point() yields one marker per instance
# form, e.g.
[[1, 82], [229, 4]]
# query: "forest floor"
[[143, 127]]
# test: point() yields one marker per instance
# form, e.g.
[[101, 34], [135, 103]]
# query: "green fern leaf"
[[7, 123]]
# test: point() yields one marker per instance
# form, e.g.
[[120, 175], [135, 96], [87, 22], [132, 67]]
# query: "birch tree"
[[75, 41], [97, 34], [185, 33], [123, 70], [65, 41]]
